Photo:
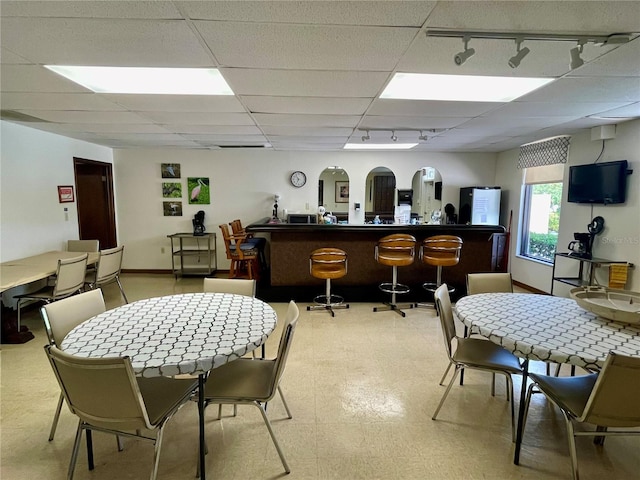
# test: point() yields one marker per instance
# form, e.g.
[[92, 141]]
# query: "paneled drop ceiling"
[[307, 74]]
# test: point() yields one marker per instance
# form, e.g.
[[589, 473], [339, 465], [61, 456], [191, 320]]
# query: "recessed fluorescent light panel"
[[161, 81], [379, 146], [460, 88]]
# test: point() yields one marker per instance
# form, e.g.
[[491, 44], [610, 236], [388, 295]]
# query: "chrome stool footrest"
[[432, 287], [391, 288], [333, 300]]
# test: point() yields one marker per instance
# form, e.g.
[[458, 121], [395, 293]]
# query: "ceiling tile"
[[140, 43], [307, 120], [57, 101], [199, 118], [431, 108], [86, 117], [178, 103], [34, 78], [304, 83], [307, 105], [101, 9], [304, 47], [420, 122], [376, 13], [586, 89]]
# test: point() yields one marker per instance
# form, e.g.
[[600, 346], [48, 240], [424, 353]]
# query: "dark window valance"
[[544, 152]]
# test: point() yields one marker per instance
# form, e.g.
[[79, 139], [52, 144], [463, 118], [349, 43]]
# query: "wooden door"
[[96, 209], [383, 194]]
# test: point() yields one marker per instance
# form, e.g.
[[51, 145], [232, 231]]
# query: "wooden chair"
[[243, 257], [257, 242]]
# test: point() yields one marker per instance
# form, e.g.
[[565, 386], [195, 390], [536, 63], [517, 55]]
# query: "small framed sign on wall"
[[65, 194]]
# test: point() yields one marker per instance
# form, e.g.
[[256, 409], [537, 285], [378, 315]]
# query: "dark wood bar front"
[[291, 245]]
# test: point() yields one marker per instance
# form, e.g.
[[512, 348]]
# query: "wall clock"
[[298, 179]]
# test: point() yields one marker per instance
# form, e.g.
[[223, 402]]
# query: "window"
[[542, 194]]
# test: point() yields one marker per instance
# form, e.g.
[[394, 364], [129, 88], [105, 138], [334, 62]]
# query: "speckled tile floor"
[[362, 388]]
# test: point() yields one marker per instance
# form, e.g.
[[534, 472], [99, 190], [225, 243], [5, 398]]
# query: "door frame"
[[107, 172]]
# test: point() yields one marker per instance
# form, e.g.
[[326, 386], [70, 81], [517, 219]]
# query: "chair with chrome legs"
[[472, 353], [68, 280], [396, 250], [63, 316], [106, 396], [255, 382], [609, 399]]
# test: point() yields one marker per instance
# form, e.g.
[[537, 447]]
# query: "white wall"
[[32, 164], [620, 239], [243, 183]]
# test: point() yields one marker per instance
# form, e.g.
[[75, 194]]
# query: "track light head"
[[393, 136], [514, 61], [461, 57], [366, 136], [423, 137], [576, 60]]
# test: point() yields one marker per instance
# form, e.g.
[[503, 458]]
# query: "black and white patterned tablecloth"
[[178, 334], [547, 328]]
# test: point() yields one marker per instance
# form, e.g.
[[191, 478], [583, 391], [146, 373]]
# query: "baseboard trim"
[[166, 272], [529, 288]]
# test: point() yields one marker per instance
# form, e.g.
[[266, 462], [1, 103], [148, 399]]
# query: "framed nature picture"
[[170, 170], [171, 189], [65, 194], [172, 209], [342, 192], [198, 188]]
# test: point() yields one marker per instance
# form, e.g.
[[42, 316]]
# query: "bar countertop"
[[290, 246]]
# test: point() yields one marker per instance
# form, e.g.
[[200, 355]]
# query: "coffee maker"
[[582, 244], [198, 224]]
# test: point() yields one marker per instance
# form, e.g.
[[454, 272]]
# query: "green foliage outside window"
[[542, 245]]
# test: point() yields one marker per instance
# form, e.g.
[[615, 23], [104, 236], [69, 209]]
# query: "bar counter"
[[291, 245]]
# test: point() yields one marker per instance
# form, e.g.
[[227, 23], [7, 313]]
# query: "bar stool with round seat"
[[396, 250], [439, 251], [328, 263]]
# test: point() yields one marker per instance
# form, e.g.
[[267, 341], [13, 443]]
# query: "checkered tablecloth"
[[177, 334], [547, 328]]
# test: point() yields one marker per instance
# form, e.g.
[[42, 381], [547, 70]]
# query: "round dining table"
[[173, 335], [546, 328]]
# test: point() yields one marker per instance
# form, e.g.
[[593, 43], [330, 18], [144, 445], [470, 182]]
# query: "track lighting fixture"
[[576, 60], [423, 137], [366, 136], [514, 61], [461, 57], [611, 39], [393, 136]]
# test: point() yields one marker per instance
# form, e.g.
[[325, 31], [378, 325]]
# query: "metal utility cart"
[[583, 278], [193, 255]]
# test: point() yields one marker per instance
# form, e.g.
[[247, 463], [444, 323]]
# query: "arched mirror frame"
[[333, 191], [427, 194], [380, 190]]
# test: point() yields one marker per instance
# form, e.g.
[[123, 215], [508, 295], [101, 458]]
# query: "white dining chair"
[[68, 280], [63, 316], [108, 270]]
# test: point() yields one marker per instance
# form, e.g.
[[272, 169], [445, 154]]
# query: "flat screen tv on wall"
[[604, 183]]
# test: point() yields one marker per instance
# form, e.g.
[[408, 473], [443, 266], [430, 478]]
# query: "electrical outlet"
[[161, 249]]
